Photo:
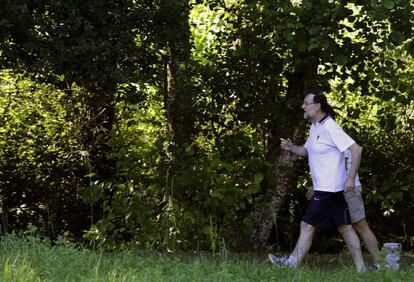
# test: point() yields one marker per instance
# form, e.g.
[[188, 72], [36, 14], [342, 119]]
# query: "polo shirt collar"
[[322, 121]]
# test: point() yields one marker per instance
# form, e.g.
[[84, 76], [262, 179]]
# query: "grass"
[[30, 259]]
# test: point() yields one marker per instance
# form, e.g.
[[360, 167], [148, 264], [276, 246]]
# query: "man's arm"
[[356, 153], [287, 145]]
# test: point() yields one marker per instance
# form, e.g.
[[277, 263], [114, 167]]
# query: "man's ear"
[[318, 106]]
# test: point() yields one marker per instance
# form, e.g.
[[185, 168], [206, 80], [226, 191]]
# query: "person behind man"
[[357, 212], [325, 149]]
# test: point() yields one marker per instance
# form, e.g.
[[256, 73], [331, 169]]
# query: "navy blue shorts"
[[327, 209]]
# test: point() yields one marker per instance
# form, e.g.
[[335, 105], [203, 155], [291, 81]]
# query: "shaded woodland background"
[[156, 124]]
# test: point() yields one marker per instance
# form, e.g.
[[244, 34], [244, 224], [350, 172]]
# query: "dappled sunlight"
[[178, 126]]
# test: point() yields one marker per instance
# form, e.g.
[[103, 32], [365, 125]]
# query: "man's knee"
[[306, 227], [345, 229], [360, 226]]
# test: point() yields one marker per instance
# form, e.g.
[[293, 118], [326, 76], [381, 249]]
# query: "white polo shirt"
[[326, 145]]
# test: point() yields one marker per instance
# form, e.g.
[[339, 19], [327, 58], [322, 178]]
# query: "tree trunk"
[[178, 104], [179, 90], [293, 125], [100, 109]]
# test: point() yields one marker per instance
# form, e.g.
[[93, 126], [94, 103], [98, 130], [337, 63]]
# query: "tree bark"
[[178, 103], [179, 90], [100, 109], [263, 217]]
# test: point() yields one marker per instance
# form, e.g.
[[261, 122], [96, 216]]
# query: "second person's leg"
[[371, 243]]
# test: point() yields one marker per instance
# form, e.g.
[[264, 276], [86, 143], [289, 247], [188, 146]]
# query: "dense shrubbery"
[[43, 166], [102, 153]]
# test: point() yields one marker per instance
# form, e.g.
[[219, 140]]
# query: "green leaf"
[[397, 37], [341, 60], [306, 4], [258, 177], [388, 4], [313, 46], [288, 36]]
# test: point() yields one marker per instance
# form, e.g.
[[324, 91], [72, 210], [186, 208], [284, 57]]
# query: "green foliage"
[[39, 155], [85, 143], [207, 24], [172, 212], [387, 137], [71, 41]]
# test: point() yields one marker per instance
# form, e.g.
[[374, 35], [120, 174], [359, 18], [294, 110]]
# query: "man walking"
[[357, 212], [325, 149]]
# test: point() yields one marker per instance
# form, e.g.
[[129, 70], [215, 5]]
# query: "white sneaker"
[[376, 267], [278, 260]]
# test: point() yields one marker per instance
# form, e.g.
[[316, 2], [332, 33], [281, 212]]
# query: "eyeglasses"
[[308, 104]]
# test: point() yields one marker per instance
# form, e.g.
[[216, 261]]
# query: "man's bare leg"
[[352, 241], [303, 244], [371, 243]]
